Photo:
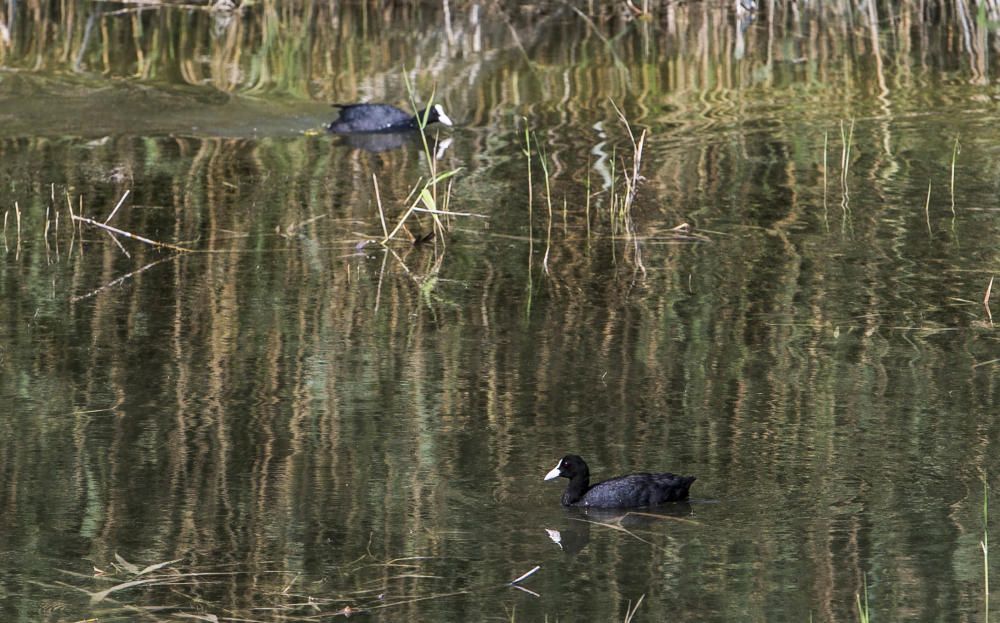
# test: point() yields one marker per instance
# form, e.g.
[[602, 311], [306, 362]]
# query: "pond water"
[[292, 421]]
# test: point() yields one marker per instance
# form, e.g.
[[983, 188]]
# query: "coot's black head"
[[570, 466], [437, 114]]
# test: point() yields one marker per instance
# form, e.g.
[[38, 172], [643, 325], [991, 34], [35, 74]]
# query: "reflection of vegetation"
[[285, 400], [363, 586], [985, 546]]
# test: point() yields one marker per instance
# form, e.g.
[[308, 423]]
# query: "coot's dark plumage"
[[382, 118], [629, 491]]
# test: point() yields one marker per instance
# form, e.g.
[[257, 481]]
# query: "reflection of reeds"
[[826, 141], [300, 435], [543, 161], [17, 216], [531, 206], [954, 158], [622, 206], [363, 585], [984, 545]]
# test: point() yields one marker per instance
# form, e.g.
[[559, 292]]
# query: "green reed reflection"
[[325, 425]]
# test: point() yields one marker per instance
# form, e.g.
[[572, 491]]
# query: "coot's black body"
[[631, 491], [355, 118]]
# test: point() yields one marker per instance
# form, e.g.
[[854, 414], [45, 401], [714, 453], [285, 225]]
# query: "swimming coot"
[[382, 118], [629, 491]]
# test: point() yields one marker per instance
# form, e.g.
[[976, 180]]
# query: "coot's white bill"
[[554, 473], [442, 118]]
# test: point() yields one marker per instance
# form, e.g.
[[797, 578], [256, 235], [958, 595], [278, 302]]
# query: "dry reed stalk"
[[846, 139], [526, 575], [118, 205], [927, 208], [845, 152], [112, 231], [381, 213], [531, 189], [986, 301], [954, 157], [543, 159], [587, 204], [984, 544], [122, 232], [630, 610]]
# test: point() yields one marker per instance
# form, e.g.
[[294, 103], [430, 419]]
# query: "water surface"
[[311, 425]]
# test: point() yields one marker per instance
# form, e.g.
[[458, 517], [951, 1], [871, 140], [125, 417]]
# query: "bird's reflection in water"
[[378, 142], [576, 534]]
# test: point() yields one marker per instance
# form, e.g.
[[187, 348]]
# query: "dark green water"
[[305, 423]]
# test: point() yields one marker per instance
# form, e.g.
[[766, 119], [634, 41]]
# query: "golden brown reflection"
[[285, 400]]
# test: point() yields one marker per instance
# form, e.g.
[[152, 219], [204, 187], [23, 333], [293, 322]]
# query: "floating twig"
[[102, 410], [662, 516], [416, 599], [619, 528], [122, 232]]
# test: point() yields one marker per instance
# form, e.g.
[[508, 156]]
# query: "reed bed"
[[299, 49]]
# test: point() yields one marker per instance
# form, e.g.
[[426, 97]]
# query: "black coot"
[[382, 118], [629, 491]]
